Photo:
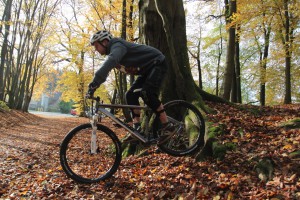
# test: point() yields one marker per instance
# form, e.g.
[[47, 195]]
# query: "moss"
[[219, 151], [212, 147], [128, 150], [230, 146], [3, 106], [265, 169], [292, 124], [191, 128], [254, 110], [295, 154], [215, 130]]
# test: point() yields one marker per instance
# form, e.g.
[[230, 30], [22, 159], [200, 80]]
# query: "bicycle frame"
[[100, 108], [92, 152]]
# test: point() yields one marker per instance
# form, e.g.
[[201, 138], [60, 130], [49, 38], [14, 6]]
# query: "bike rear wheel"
[[190, 129], [80, 164]]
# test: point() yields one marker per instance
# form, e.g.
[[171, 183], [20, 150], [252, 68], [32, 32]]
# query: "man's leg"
[[150, 95], [151, 88], [162, 114], [132, 98]]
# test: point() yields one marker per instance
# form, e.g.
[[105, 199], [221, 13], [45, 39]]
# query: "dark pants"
[[149, 83]]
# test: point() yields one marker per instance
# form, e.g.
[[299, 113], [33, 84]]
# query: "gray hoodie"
[[131, 57]]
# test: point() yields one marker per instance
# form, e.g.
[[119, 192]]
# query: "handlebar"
[[97, 99]]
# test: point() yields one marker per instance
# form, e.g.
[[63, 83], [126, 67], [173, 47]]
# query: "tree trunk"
[[123, 77], [287, 96], [233, 92], [200, 73], [113, 100], [81, 85], [263, 75], [12, 69], [21, 55], [197, 58], [220, 51], [6, 17], [162, 25], [131, 31], [230, 65], [238, 67]]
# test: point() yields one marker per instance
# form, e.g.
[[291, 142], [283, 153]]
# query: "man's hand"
[[90, 94], [92, 88], [94, 85]]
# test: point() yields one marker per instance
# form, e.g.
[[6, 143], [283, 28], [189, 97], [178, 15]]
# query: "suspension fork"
[[94, 121]]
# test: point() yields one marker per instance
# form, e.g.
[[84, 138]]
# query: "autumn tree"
[[207, 42], [162, 25], [119, 18], [258, 23], [265, 24], [21, 57], [74, 41], [288, 15], [6, 19], [230, 10]]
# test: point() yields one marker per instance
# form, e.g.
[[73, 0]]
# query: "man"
[[142, 60]]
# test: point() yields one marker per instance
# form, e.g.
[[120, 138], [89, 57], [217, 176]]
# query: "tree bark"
[[220, 51], [4, 49], [288, 31], [263, 74], [123, 77], [238, 67], [23, 57], [131, 31], [162, 25], [196, 56], [230, 65]]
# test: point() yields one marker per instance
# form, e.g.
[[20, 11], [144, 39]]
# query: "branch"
[[193, 55], [215, 16], [61, 60]]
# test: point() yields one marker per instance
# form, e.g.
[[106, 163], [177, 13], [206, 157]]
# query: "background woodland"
[[239, 51], [242, 51]]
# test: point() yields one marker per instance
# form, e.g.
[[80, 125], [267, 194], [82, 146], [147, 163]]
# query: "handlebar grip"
[[95, 98], [88, 96]]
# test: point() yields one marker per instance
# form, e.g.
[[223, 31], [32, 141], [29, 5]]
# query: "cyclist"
[[138, 59]]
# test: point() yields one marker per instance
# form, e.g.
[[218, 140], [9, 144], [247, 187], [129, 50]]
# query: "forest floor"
[[30, 167]]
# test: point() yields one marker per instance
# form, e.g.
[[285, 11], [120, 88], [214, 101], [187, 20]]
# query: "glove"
[[90, 94], [94, 85], [92, 88]]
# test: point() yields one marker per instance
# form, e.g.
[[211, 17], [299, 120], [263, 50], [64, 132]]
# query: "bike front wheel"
[[78, 161], [190, 129]]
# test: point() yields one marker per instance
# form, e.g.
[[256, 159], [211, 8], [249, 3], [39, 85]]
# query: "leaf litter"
[[30, 168]]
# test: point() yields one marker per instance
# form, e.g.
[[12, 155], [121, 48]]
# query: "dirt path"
[[30, 168], [29, 154]]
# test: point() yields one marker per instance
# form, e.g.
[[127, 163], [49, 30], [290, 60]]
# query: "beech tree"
[[289, 20], [162, 25], [6, 18], [230, 10], [272, 25], [21, 57]]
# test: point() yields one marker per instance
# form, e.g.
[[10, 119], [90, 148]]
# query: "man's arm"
[[118, 50]]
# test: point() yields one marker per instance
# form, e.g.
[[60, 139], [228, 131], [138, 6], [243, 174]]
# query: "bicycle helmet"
[[100, 36]]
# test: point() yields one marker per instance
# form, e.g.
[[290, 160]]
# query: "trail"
[[30, 168]]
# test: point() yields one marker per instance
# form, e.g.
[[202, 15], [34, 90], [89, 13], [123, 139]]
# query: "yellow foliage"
[[46, 82]]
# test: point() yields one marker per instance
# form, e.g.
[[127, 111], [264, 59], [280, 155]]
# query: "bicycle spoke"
[[82, 165], [189, 134]]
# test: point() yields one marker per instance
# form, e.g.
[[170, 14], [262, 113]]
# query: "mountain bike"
[[92, 152]]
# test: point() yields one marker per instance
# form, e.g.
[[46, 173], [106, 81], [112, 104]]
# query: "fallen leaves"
[[30, 168]]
